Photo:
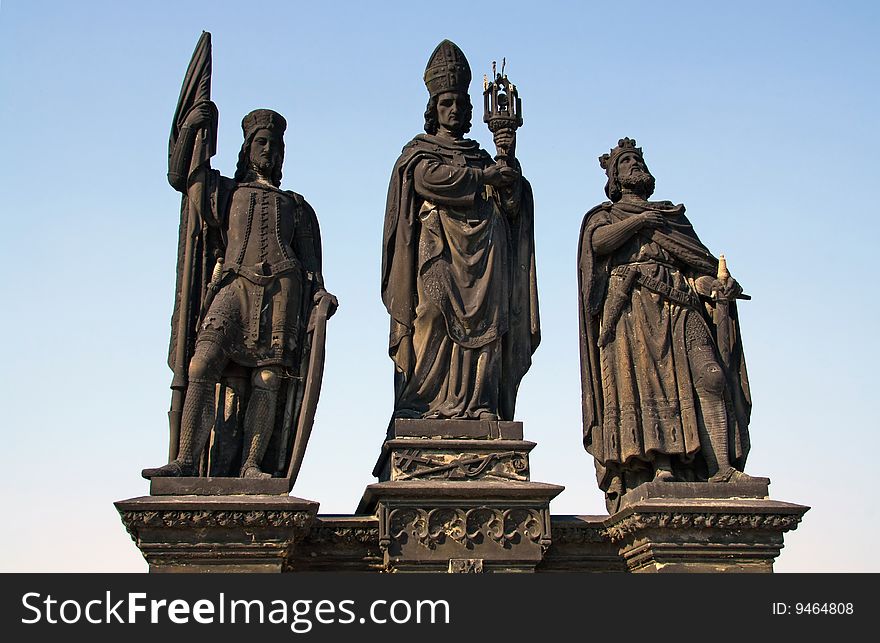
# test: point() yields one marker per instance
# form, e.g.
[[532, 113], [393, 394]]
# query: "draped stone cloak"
[[458, 280], [653, 408]]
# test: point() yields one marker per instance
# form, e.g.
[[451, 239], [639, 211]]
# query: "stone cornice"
[[638, 521]]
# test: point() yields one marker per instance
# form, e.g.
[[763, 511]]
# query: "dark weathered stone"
[[465, 566], [496, 527], [414, 458], [665, 391], [462, 298], [581, 544], [250, 305], [751, 488], [218, 486], [453, 449], [451, 429], [473, 492], [339, 543], [702, 535], [217, 533], [426, 525]]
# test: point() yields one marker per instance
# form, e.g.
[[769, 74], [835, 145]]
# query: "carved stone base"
[[462, 450], [444, 526], [217, 533], [454, 496], [687, 527], [207, 486]]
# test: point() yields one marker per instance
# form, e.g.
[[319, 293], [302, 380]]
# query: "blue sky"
[[759, 116]]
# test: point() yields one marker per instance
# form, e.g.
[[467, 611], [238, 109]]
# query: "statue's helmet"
[[609, 164], [448, 70]]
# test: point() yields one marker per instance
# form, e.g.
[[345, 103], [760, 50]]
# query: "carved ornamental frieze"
[[412, 464], [468, 528]]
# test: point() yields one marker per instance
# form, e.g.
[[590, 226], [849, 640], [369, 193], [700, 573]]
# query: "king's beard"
[[639, 182], [263, 167]]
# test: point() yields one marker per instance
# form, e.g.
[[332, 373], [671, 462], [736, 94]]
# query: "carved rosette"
[[681, 520]]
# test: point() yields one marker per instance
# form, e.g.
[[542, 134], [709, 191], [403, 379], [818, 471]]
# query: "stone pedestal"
[[455, 450], [217, 533], [455, 496], [701, 527]]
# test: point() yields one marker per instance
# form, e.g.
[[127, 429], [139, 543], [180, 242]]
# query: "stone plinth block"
[[451, 526], [210, 486], [462, 450], [455, 429], [701, 527], [217, 533], [451, 459]]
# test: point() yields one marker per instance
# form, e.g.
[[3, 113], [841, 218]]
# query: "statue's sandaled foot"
[[730, 475], [254, 472], [486, 415], [174, 469]]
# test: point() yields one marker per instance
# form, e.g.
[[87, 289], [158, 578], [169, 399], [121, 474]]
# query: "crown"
[[263, 119], [623, 145], [447, 70]]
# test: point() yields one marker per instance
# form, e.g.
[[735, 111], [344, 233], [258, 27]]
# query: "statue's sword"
[[722, 317]]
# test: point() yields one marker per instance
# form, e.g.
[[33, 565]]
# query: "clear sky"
[[760, 116]]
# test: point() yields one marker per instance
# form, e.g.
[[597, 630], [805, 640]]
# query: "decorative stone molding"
[[321, 534], [188, 519], [679, 520], [420, 464], [465, 566], [217, 533], [688, 533], [467, 527], [564, 535]]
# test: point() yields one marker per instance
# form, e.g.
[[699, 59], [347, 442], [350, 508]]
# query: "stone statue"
[[458, 262], [665, 390], [248, 288]]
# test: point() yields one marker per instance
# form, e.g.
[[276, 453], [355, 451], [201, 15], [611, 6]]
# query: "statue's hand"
[[729, 290], [499, 176], [705, 285], [505, 139], [200, 115], [651, 219], [334, 303]]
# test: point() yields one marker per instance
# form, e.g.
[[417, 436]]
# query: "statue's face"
[[265, 153], [629, 164], [452, 108], [633, 174]]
